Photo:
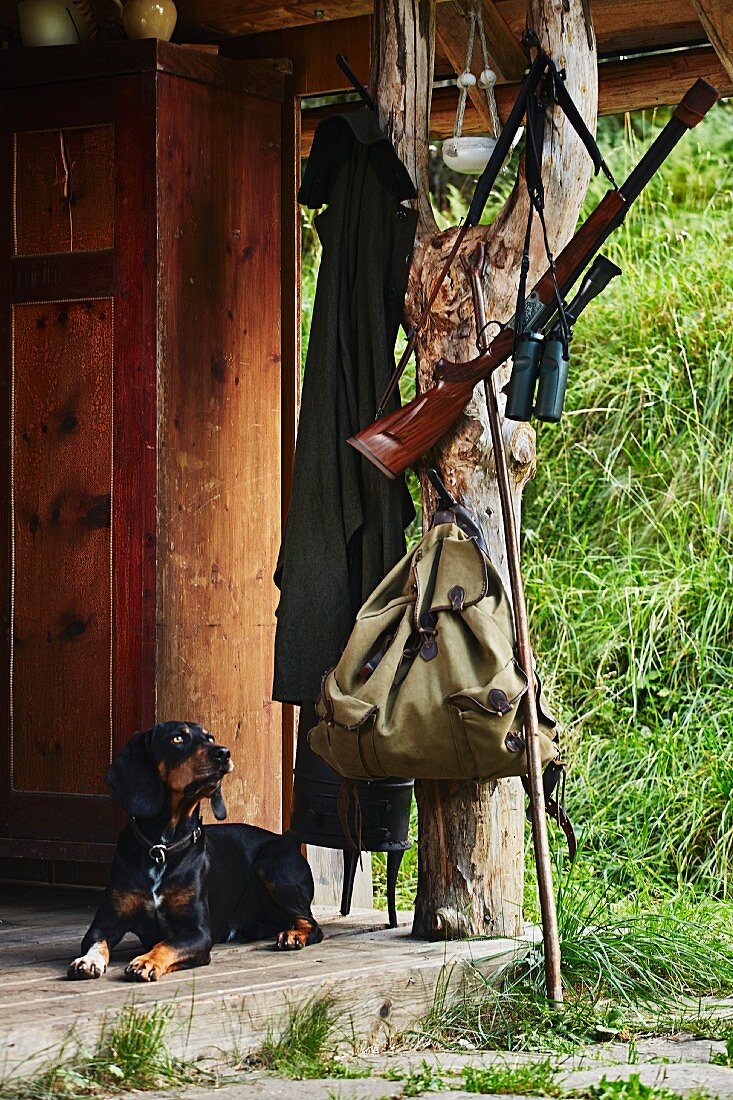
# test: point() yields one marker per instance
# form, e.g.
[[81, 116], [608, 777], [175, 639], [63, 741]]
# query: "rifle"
[[397, 440]]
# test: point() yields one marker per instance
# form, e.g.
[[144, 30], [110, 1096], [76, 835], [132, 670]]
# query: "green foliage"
[[630, 1088], [628, 551], [417, 1081], [513, 1013], [131, 1054], [309, 274], [527, 1079], [725, 1059], [619, 952], [306, 1047], [626, 971]]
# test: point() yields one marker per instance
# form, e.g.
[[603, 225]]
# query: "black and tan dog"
[[180, 886]]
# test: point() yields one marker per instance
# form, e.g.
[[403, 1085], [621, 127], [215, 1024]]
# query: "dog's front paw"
[[292, 940], [85, 967], [142, 969]]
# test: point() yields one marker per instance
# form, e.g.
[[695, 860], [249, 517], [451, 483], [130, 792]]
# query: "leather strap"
[[371, 663], [565, 102], [556, 812], [552, 777], [159, 852], [536, 192]]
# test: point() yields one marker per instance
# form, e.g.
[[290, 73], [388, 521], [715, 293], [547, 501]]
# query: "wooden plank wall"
[[219, 428]]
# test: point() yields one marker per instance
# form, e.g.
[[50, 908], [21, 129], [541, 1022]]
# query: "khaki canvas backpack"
[[428, 685]]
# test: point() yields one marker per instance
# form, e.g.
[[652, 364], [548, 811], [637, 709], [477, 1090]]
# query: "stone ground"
[[682, 1065]]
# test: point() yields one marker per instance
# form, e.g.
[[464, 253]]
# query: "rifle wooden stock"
[[397, 440]]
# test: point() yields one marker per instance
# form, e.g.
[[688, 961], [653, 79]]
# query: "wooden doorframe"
[[290, 393]]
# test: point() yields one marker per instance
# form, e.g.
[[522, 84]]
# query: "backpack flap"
[[428, 685], [487, 723]]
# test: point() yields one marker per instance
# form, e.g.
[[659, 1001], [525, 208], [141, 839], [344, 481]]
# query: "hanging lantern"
[[470, 155]]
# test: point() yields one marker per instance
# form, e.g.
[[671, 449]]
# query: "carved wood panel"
[[63, 197], [61, 556]]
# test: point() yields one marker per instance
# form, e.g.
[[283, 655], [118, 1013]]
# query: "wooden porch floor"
[[380, 979]]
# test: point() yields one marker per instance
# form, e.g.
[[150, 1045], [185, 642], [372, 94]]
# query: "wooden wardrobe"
[[147, 357]]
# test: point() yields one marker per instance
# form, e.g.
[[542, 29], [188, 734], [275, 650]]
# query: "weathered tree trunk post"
[[470, 878]]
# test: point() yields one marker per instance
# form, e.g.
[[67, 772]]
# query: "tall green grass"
[[627, 545], [131, 1054]]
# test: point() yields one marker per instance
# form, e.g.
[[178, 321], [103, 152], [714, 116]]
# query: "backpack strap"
[[450, 511], [553, 776]]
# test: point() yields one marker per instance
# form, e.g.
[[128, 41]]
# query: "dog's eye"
[[210, 737], [178, 739]]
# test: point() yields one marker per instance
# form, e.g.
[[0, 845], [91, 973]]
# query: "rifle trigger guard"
[[481, 347]]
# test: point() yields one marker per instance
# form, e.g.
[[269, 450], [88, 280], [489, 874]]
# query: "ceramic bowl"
[[468, 155]]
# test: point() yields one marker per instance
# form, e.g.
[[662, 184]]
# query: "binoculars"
[[541, 362]]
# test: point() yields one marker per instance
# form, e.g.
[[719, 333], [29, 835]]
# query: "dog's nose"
[[220, 754]]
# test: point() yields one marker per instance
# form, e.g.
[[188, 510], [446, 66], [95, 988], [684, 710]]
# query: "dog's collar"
[[159, 852]]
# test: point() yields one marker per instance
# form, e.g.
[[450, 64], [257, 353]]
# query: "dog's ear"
[[133, 778], [218, 806]]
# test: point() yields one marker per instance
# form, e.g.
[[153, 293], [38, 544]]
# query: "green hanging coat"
[[345, 526]]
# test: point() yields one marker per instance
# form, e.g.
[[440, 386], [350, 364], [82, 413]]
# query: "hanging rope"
[[466, 79], [487, 79]]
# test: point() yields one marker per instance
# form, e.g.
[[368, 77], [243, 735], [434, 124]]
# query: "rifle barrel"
[[691, 110]]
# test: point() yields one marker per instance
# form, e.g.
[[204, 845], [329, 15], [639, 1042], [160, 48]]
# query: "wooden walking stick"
[[548, 908]]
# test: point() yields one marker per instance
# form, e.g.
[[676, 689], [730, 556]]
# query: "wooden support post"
[[470, 878], [290, 371], [403, 47]]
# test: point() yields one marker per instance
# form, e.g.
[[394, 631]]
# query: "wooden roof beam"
[[627, 26], [622, 86], [505, 50], [313, 50], [621, 25], [716, 17]]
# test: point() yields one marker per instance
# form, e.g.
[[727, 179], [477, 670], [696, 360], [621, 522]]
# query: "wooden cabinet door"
[[78, 410]]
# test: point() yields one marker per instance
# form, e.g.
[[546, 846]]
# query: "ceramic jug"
[[149, 18]]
